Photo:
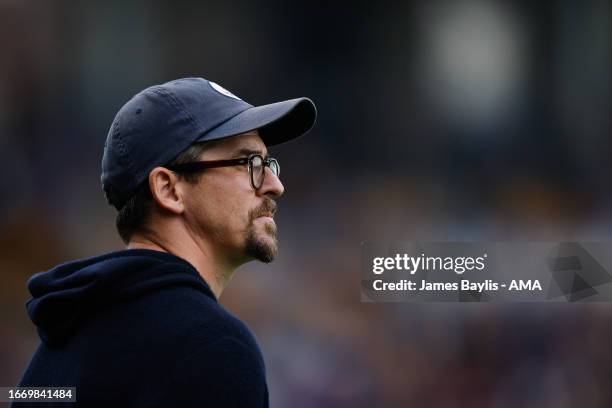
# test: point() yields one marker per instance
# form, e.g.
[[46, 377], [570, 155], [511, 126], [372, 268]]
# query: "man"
[[186, 165]]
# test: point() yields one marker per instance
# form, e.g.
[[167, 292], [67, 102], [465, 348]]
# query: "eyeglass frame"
[[192, 167]]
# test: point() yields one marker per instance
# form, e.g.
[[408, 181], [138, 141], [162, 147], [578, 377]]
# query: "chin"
[[262, 247]]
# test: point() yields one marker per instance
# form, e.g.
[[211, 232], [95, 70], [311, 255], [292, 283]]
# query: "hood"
[[64, 296]]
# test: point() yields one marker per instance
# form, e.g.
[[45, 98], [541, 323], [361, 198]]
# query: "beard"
[[262, 246]]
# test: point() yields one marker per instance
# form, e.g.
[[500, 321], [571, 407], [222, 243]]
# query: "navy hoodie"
[[140, 328]]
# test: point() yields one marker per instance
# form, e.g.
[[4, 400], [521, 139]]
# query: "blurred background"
[[438, 120]]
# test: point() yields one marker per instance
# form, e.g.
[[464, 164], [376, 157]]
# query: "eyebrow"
[[245, 151]]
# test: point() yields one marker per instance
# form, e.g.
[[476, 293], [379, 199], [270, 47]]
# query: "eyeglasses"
[[257, 167]]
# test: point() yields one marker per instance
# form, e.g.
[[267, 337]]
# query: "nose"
[[272, 185]]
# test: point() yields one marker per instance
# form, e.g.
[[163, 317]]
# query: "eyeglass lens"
[[258, 169]]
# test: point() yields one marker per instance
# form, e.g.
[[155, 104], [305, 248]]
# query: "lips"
[[267, 209]]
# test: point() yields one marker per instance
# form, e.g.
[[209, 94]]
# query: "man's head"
[[146, 173]]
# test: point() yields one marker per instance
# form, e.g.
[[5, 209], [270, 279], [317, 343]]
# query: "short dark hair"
[[133, 216]]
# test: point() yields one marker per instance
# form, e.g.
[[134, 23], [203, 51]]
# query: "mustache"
[[268, 207]]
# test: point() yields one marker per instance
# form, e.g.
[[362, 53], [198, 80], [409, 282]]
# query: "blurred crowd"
[[439, 120]]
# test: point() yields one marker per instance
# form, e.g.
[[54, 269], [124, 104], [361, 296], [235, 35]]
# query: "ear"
[[166, 190]]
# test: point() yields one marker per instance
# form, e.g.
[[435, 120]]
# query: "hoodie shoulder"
[[68, 295]]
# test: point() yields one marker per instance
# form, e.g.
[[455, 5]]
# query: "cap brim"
[[277, 122]]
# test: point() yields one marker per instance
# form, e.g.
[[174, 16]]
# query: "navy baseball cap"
[[160, 122]]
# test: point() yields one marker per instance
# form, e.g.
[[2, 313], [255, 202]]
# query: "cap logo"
[[222, 90]]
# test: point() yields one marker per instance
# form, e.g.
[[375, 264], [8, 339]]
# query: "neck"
[[214, 271]]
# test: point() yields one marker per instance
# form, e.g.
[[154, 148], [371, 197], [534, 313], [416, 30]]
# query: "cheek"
[[223, 209]]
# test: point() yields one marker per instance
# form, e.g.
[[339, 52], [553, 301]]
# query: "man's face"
[[224, 210]]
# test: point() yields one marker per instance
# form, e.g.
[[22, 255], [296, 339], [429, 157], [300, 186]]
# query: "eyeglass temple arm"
[[195, 166]]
